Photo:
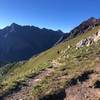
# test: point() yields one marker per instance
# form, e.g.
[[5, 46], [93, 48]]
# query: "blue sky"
[[52, 14]]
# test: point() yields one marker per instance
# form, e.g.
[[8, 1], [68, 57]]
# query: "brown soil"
[[89, 89], [24, 92], [84, 87]]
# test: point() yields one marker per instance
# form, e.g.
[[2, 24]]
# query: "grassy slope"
[[77, 61]]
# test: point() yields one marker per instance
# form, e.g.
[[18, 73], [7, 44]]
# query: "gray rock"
[[88, 41]]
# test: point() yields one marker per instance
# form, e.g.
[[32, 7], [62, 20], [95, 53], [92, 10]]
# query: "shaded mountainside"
[[22, 42]]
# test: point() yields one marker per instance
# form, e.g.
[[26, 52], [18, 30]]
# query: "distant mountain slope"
[[22, 42]]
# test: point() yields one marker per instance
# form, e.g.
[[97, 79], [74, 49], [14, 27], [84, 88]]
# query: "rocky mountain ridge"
[[19, 43], [85, 26]]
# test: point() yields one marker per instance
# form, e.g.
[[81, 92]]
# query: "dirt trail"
[[89, 89], [23, 93], [84, 87]]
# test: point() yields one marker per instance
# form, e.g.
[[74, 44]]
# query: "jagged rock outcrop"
[[89, 40]]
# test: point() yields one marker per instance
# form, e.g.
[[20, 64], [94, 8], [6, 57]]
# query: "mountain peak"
[[14, 26], [92, 18]]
